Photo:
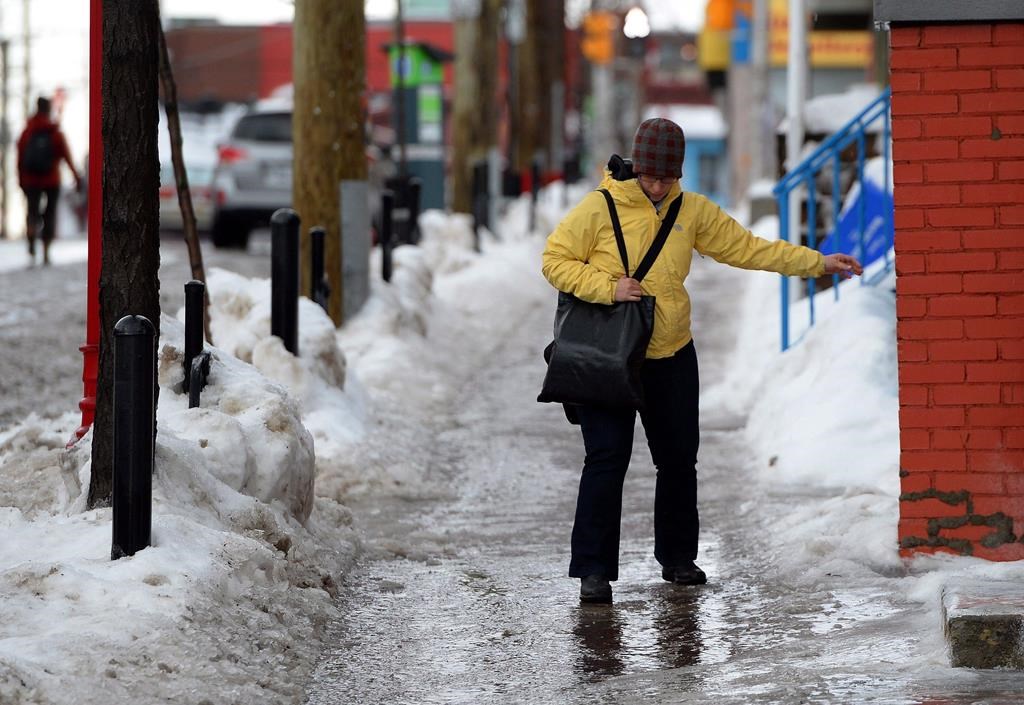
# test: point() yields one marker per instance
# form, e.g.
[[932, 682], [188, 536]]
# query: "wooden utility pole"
[[327, 126], [129, 282], [541, 61], [553, 44], [474, 114], [529, 89]]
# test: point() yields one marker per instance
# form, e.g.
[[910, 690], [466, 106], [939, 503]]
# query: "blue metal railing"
[[804, 175]]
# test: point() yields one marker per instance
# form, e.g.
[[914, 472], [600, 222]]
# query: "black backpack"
[[38, 155]]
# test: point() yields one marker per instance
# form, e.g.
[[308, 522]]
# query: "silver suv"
[[253, 177]]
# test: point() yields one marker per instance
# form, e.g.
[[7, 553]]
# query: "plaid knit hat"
[[658, 148]]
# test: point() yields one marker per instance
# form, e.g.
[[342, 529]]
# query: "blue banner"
[[878, 226]]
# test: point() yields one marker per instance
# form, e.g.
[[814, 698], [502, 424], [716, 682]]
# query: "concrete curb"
[[984, 624]]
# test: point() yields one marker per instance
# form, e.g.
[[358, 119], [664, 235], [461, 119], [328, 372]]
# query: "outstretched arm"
[[843, 265], [721, 237]]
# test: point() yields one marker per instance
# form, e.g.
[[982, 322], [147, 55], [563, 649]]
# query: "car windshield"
[[265, 127]]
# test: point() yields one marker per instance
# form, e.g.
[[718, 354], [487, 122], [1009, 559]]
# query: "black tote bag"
[[599, 349]]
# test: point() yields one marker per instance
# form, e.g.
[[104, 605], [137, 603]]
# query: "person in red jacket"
[[41, 149]]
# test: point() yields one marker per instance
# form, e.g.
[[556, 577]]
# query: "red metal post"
[[91, 349]]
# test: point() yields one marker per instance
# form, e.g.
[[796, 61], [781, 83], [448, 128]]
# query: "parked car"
[[253, 177], [199, 178]]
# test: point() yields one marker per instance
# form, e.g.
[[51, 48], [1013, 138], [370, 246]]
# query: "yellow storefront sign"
[[828, 49]]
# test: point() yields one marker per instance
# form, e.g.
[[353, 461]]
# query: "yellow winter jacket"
[[581, 256]]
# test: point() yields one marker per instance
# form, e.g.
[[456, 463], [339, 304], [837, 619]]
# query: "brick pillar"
[[958, 160]]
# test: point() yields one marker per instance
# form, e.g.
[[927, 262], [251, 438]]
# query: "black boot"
[[687, 573], [594, 588]]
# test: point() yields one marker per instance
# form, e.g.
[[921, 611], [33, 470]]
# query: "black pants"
[[48, 213], [670, 419]]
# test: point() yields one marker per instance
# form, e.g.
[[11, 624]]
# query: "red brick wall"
[[958, 160]]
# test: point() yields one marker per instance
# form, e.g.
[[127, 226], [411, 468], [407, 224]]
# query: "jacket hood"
[[629, 191]]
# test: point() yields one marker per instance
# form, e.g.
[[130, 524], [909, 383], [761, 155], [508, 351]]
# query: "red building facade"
[[958, 154]]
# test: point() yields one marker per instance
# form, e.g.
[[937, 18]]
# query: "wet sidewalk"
[[463, 597]]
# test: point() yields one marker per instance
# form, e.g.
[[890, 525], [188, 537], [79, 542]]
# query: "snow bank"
[[822, 424], [239, 547]]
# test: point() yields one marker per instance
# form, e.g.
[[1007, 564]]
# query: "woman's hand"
[[627, 289], [843, 265]]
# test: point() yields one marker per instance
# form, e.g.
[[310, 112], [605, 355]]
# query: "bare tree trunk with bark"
[[129, 283], [188, 215], [327, 125], [474, 118]]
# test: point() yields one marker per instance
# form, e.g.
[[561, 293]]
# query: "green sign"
[[419, 67]]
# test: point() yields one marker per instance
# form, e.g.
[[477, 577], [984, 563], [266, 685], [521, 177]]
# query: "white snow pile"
[[823, 426], [822, 420], [825, 114], [240, 546], [249, 540]]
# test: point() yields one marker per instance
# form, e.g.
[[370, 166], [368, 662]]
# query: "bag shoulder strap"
[[660, 239], [620, 240]]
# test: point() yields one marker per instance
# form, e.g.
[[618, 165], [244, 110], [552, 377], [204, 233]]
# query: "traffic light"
[[598, 43], [720, 15]]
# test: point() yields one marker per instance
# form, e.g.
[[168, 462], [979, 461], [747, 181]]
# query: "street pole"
[[5, 136], [760, 162], [515, 32], [91, 348], [796, 96], [604, 115], [27, 66], [399, 96]]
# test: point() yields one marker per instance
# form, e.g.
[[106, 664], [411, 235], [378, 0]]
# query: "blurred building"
[[843, 51], [215, 64]]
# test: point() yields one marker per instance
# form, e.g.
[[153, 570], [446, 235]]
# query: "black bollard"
[[134, 434], [198, 374], [321, 291], [194, 291], [387, 205], [284, 278], [480, 201], [414, 190]]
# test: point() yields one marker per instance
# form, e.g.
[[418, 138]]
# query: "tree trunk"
[[475, 117], [465, 103], [528, 89], [327, 125], [131, 209], [554, 83], [541, 63], [188, 215]]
